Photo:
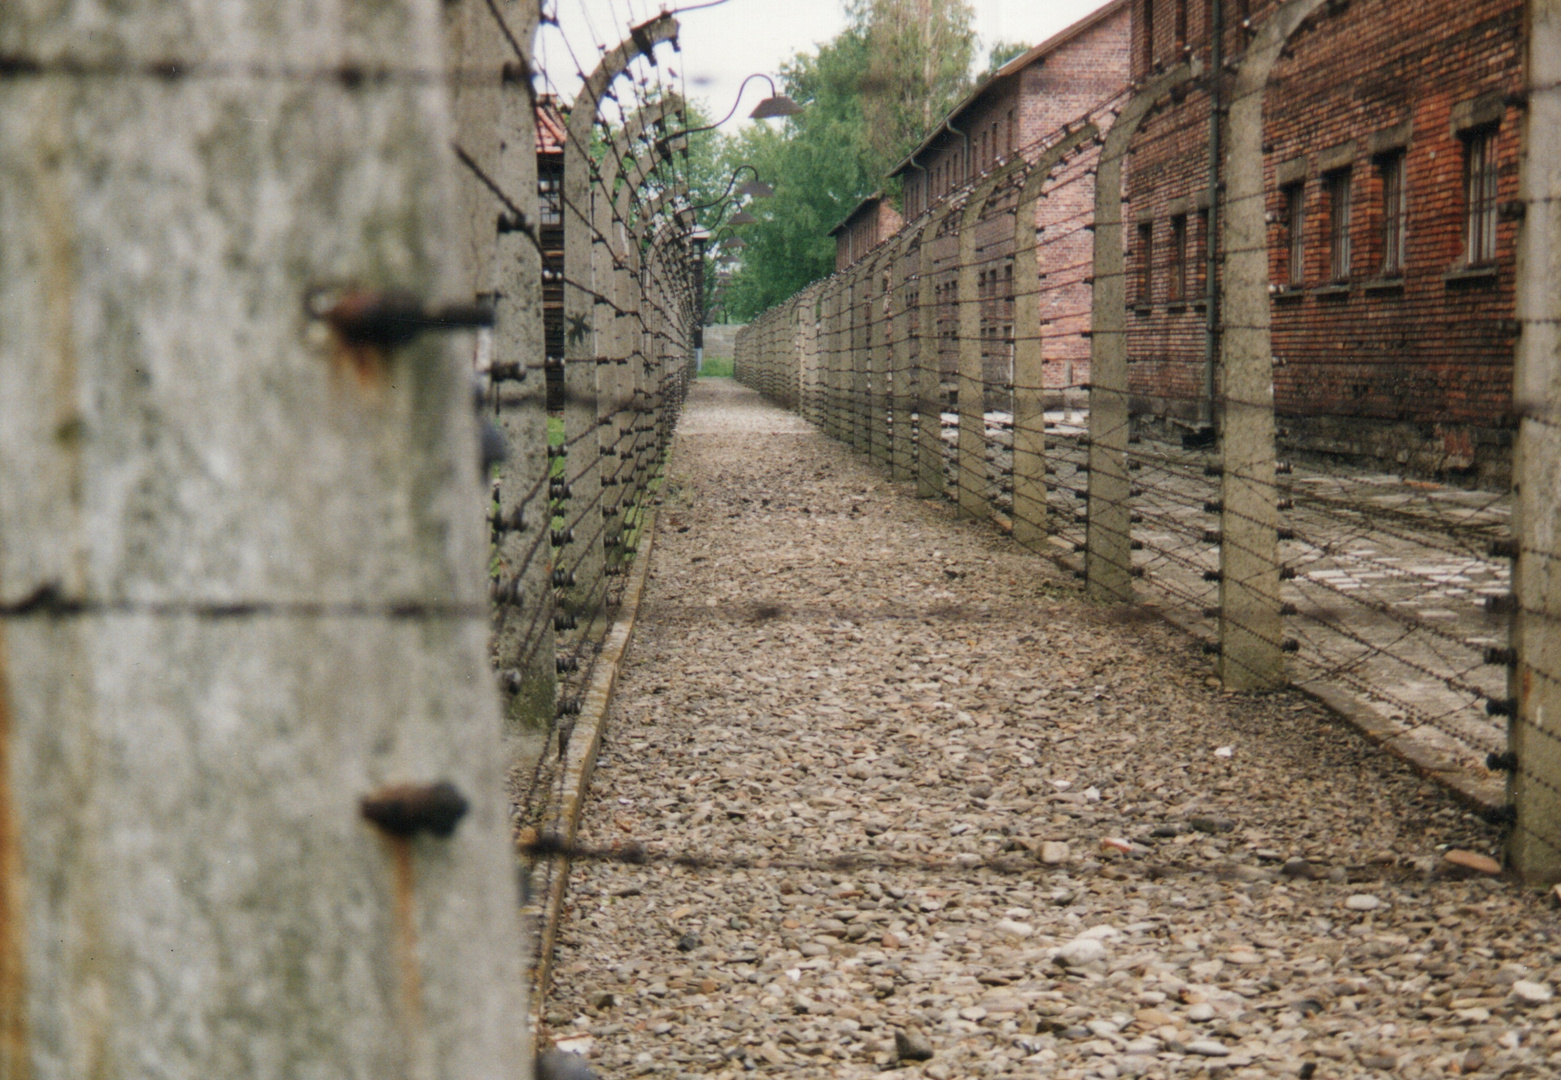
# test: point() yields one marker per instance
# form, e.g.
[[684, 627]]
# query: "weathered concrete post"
[[243, 560], [1108, 562], [880, 345], [1534, 846], [970, 462], [1251, 657], [808, 346], [929, 376], [524, 645], [584, 322], [833, 353], [1030, 524], [859, 346], [902, 372], [619, 413]]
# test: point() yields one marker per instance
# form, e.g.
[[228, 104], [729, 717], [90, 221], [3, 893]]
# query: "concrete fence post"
[[524, 643], [1534, 845], [901, 359], [1030, 513], [585, 317], [970, 459], [1250, 627], [243, 561], [856, 354], [881, 346], [835, 415], [808, 331], [1108, 562], [929, 374]]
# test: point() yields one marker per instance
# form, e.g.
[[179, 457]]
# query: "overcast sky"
[[723, 44]]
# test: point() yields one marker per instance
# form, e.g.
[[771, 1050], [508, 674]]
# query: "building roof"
[[1008, 71], [872, 200], [551, 128]]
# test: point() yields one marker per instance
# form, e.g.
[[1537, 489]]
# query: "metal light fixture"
[[742, 217], [776, 105], [756, 189]]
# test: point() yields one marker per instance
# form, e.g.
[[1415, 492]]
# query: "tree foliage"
[[1000, 53], [868, 96]]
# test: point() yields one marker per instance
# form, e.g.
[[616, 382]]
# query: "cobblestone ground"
[[826, 666]]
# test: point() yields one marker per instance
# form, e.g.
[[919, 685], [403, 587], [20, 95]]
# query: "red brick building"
[[871, 222], [1390, 145], [1019, 112]]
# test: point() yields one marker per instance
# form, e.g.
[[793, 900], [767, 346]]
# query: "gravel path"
[[827, 666]]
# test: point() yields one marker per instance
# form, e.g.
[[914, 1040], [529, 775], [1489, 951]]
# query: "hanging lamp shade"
[[771, 107]]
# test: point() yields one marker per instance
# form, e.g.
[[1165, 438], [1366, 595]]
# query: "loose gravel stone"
[[807, 683], [912, 1046], [1080, 953], [1534, 993]]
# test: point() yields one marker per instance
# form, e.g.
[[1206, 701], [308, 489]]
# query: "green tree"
[[1000, 53], [918, 66], [868, 96]]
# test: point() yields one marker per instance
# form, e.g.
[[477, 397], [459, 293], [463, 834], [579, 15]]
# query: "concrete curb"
[[584, 743]]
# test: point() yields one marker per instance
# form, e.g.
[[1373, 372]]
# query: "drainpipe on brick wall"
[[926, 186], [1211, 287], [965, 173]]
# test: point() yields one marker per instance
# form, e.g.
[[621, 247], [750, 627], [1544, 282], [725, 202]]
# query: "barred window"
[[1178, 282], [1148, 44], [1395, 212], [1479, 188], [1295, 228], [550, 200], [1339, 225]]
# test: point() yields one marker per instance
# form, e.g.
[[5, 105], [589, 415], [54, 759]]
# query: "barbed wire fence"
[[600, 215], [985, 352]]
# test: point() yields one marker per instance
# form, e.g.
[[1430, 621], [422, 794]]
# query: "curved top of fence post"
[[634, 129], [1246, 248], [642, 41]]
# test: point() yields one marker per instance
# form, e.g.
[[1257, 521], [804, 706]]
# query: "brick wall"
[[1408, 366]]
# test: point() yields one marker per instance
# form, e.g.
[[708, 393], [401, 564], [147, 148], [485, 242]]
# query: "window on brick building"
[[1339, 225], [1395, 212], [1178, 282], [1295, 234], [1145, 294], [995, 150], [550, 200], [1479, 192], [1148, 42], [1181, 24], [1242, 10], [1010, 131]]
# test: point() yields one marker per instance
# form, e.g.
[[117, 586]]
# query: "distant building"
[[873, 221], [1019, 111]]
